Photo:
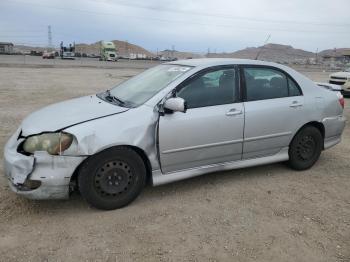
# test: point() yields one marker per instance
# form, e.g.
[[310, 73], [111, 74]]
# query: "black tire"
[[112, 178], [305, 148]]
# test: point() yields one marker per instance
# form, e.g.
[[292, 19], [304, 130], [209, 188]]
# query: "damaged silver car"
[[171, 122]]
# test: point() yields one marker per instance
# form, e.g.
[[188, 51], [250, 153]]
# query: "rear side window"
[[267, 83], [293, 88]]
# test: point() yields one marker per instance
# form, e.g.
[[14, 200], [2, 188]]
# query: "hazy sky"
[[221, 25]]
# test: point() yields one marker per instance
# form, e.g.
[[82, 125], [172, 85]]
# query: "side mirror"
[[176, 104]]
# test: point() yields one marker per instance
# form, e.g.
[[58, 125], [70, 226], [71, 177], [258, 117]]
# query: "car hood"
[[341, 74], [68, 113]]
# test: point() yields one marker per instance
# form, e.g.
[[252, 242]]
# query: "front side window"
[[212, 88], [144, 86], [267, 83]]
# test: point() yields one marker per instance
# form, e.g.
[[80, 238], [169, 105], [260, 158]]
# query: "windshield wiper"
[[114, 98]]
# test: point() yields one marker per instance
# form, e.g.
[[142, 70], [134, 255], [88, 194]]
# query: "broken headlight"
[[53, 143]]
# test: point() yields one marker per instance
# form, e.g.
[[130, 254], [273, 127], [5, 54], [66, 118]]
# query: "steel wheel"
[[305, 148], [113, 178]]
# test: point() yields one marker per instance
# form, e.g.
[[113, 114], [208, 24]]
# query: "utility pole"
[[49, 37], [127, 49]]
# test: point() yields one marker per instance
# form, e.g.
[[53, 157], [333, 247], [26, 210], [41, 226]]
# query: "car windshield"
[[142, 87]]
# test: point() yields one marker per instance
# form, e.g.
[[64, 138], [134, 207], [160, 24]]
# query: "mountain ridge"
[[270, 52]]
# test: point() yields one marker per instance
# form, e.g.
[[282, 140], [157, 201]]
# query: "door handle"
[[233, 112], [295, 104]]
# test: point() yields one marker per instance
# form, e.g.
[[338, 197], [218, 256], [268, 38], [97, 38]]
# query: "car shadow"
[[76, 203], [217, 179]]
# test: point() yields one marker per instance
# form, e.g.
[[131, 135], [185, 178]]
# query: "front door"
[[211, 131]]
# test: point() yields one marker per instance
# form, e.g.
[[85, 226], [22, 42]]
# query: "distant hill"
[[336, 52], [124, 48], [179, 54], [269, 52], [27, 49]]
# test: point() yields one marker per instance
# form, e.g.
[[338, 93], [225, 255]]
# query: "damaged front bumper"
[[38, 176]]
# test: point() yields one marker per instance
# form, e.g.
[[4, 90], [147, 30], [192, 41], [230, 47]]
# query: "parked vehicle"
[[135, 56], [36, 53], [163, 58], [108, 51], [342, 79], [94, 56], [48, 55], [174, 121]]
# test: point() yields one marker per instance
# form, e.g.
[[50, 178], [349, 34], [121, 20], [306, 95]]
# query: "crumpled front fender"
[[17, 167], [53, 172]]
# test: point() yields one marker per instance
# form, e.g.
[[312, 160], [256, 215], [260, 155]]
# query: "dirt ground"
[[267, 213]]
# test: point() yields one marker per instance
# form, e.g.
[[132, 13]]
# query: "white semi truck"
[[108, 51], [67, 52]]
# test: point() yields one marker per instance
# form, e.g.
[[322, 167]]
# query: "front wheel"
[[112, 179], [305, 148]]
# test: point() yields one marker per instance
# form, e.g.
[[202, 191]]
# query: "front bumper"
[[51, 173], [345, 92]]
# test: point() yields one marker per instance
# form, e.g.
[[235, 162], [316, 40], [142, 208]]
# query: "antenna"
[[49, 36], [172, 51], [259, 52]]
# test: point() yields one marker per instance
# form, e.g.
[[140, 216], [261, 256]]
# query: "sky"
[[185, 25]]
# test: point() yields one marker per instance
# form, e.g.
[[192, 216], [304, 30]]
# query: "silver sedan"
[[174, 121]]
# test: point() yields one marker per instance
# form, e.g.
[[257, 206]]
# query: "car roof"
[[208, 62]]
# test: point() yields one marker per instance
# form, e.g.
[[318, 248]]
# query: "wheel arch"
[[315, 124], [139, 151]]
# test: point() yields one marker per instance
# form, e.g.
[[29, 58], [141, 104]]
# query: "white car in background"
[[342, 79]]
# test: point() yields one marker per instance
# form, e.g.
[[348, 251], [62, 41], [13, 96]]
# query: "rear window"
[[267, 83]]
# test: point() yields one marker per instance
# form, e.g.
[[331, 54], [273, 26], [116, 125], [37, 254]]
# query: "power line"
[[21, 31], [239, 28], [22, 36], [220, 15]]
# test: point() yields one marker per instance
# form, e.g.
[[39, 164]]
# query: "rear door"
[[274, 107], [211, 131]]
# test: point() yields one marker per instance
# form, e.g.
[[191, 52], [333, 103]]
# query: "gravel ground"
[[267, 213]]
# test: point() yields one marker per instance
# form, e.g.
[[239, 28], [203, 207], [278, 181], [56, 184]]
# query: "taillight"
[[341, 100]]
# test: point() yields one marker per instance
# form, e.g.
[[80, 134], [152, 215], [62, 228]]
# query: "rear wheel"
[[305, 148], [113, 178]]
